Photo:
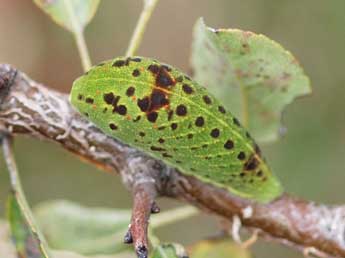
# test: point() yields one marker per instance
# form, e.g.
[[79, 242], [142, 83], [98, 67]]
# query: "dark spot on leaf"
[[221, 109], [166, 155], [135, 59], [161, 127], [199, 121], [142, 134], [163, 78], [89, 100], [119, 63], [136, 73], [259, 173], [105, 110], [190, 136], [113, 126], [181, 110], [111, 99], [241, 155], [153, 68], [122, 110], [204, 145], [187, 89], [173, 126], [242, 174], [161, 140], [207, 100], [215, 133], [152, 117], [251, 163], [236, 122], [158, 100], [144, 104], [229, 144], [155, 148], [80, 97], [130, 91], [137, 119]]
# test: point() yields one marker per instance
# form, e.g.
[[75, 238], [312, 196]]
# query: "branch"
[[31, 109]]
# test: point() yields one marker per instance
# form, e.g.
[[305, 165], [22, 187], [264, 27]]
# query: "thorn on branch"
[[155, 208]]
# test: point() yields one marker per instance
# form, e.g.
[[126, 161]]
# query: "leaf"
[[28, 242], [87, 231], [252, 75], [7, 249], [73, 15], [169, 250], [218, 249]]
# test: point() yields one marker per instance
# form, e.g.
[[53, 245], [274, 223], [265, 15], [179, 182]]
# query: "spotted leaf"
[[252, 76], [161, 111]]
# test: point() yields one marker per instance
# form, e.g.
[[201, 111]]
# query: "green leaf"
[[218, 249], [27, 240], [7, 249], [252, 75], [88, 231], [169, 250], [73, 15]]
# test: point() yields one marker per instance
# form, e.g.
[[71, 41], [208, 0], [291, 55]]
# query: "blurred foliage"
[[252, 75], [309, 159], [169, 250], [27, 241], [218, 249], [69, 226], [73, 15], [7, 249]]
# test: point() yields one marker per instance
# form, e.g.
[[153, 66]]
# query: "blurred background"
[[309, 159]]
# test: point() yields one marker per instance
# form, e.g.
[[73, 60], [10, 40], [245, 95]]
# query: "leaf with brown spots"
[[253, 76], [161, 111]]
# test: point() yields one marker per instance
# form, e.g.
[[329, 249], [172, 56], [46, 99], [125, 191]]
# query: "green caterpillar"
[[161, 111]]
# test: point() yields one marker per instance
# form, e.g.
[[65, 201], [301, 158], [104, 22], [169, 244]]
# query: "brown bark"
[[29, 108]]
